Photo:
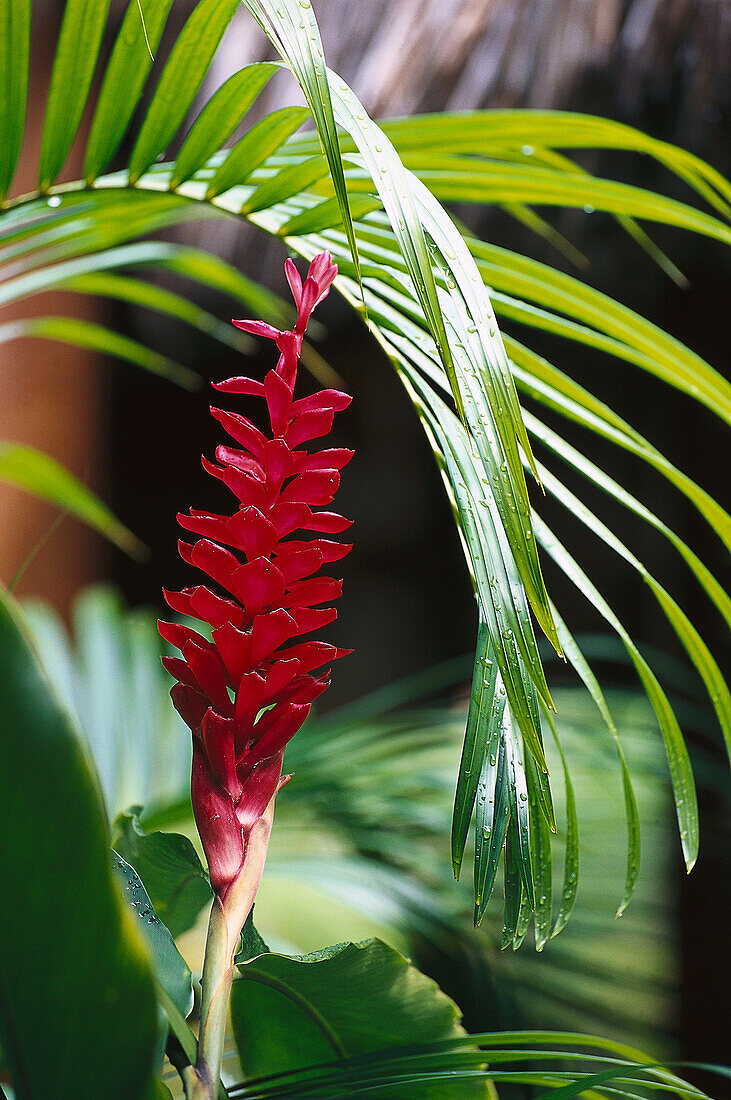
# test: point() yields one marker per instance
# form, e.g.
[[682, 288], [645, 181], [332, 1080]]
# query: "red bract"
[[246, 693]]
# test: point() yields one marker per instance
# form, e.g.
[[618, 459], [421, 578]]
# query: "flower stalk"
[[245, 692]]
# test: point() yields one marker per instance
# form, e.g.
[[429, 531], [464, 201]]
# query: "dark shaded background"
[[657, 64]]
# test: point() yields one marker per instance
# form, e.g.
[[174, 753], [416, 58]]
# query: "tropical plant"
[[429, 292], [420, 284], [361, 847]]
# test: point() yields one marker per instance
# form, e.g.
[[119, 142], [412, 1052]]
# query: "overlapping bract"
[[246, 693]]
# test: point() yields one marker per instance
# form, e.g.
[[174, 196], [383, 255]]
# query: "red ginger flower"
[[246, 693]]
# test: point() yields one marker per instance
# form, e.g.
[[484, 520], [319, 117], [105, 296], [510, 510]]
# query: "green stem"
[[228, 916]]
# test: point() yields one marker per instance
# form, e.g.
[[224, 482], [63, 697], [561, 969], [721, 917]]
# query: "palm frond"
[[370, 194]]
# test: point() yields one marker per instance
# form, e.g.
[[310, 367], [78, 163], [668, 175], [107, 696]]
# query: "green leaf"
[[292, 28], [492, 817], [251, 943], [346, 1000], [84, 1022], [14, 57], [598, 477], [182, 77], [44, 477], [492, 132], [327, 214], [168, 965], [541, 858], [73, 69], [546, 384], [576, 658], [137, 292], [607, 323], [681, 773], [124, 80], [256, 146], [571, 855], [219, 118], [87, 334], [689, 637], [170, 869], [284, 183], [480, 724]]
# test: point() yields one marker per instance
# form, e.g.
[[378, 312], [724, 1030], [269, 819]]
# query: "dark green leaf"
[[348, 999], [169, 867], [168, 965], [78, 1006], [481, 723]]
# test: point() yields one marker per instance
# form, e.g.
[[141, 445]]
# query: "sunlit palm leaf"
[[14, 57], [124, 80]]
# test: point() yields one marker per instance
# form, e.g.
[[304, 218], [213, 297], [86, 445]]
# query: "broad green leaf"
[[73, 69], [87, 334], [124, 80], [346, 1000], [170, 869], [41, 475], [251, 944], [168, 965], [14, 58], [94, 993], [256, 146], [219, 118], [182, 77]]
